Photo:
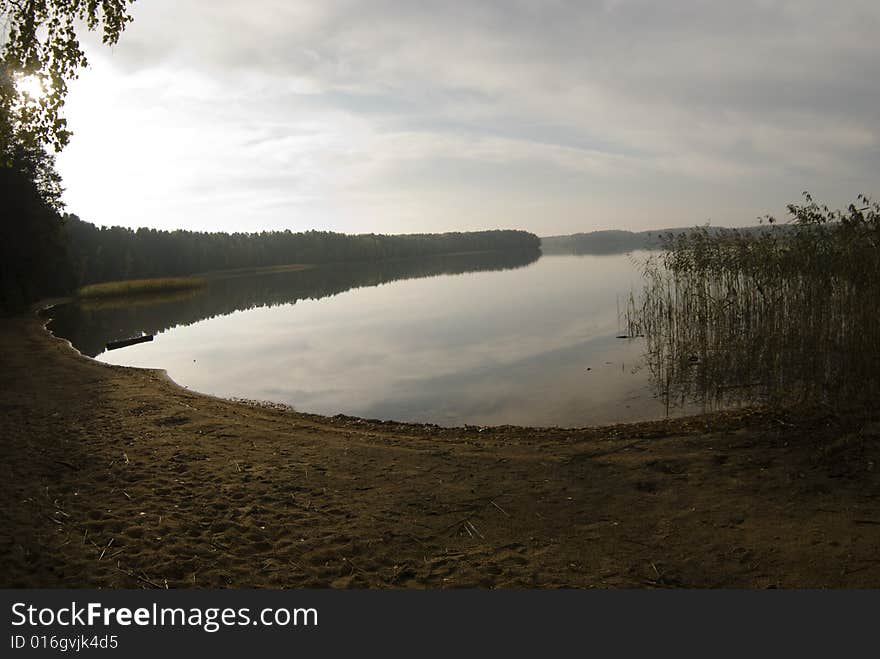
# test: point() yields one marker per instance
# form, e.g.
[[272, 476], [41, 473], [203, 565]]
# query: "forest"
[[44, 253], [114, 253], [615, 241]]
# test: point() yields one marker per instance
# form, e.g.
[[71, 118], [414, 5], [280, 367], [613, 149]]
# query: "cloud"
[[553, 116]]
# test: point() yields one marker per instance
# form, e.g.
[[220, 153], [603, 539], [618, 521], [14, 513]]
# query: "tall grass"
[[786, 314], [132, 287]]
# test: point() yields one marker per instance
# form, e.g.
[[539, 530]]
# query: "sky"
[[400, 117]]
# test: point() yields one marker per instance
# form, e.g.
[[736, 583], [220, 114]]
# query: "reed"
[[137, 287], [785, 314]]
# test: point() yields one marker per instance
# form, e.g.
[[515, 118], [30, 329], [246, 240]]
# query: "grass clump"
[[137, 287], [788, 313]]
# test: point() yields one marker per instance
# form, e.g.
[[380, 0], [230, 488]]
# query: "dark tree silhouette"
[[114, 253], [39, 40]]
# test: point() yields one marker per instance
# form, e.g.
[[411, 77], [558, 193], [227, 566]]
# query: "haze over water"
[[532, 345]]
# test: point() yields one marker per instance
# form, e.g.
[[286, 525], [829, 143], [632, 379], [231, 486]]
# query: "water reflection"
[[512, 340], [90, 326]]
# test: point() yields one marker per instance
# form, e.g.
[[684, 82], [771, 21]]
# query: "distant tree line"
[[619, 242], [45, 254], [114, 253], [596, 242]]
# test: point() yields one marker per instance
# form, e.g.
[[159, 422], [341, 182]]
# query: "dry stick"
[[456, 524], [146, 579], [476, 530], [103, 551], [218, 545], [419, 540], [500, 508], [139, 578], [355, 568]]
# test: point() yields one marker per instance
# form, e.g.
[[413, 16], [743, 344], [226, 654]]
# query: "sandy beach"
[[118, 478]]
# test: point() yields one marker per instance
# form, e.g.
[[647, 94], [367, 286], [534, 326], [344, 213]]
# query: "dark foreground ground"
[[116, 477]]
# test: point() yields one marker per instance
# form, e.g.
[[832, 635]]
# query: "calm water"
[[472, 339]]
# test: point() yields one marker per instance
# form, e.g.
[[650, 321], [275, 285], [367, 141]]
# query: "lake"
[[482, 339]]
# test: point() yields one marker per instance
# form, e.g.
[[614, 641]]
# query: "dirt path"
[[117, 477]]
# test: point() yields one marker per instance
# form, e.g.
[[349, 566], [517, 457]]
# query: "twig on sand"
[[351, 563], [475, 529], [104, 551], [473, 509], [217, 545], [504, 512], [67, 464], [660, 578], [455, 524], [138, 577], [417, 539]]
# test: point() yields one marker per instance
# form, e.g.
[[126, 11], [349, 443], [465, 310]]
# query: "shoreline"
[[44, 307], [119, 477]]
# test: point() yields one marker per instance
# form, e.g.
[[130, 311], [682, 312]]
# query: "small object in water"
[[113, 345], [693, 359], [589, 369], [622, 336]]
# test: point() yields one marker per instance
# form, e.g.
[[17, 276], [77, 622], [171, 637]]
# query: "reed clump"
[[782, 313], [139, 287]]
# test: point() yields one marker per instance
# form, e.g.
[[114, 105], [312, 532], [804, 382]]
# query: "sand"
[[118, 478]]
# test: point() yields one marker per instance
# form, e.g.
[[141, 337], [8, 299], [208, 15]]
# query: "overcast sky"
[[401, 117]]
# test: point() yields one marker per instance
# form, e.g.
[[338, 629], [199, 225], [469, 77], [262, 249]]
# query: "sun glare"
[[31, 86]]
